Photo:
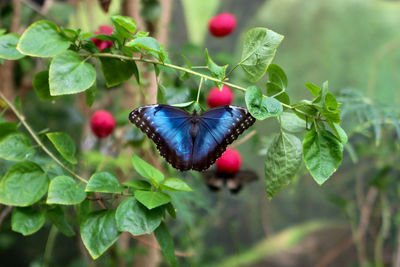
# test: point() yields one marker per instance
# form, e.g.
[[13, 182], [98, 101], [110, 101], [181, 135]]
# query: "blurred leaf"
[[64, 145], [56, 215], [166, 242], [104, 182], [261, 107], [8, 44], [323, 154], [152, 199], [42, 39], [99, 232], [16, 147], [68, 74], [292, 123], [183, 105], [117, 71], [138, 184], [64, 190], [313, 89], [171, 210], [161, 94], [24, 184], [216, 71], [259, 49], [175, 184], [90, 95], [146, 170], [27, 220], [133, 217], [41, 85], [283, 159]]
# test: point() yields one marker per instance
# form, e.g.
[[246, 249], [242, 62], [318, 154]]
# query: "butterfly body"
[[191, 141]]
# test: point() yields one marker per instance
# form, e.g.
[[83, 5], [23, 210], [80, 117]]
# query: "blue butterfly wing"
[[218, 127], [169, 128]]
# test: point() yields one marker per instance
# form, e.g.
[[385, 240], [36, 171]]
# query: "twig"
[[157, 246], [5, 213], [49, 246], [37, 140], [359, 235], [244, 139]]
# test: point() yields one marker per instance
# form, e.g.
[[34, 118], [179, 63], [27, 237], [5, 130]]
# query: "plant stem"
[[49, 246], [37, 140], [207, 77], [199, 90]]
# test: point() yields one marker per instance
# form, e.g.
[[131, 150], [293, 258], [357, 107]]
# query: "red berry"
[[229, 162], [218, 97], [102, 123], [222, 24], [102, 44]]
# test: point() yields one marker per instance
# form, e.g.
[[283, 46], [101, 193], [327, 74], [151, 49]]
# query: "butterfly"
[[234, 182], [191, 141]]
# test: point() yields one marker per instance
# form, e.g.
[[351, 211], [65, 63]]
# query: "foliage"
[[144, 203]]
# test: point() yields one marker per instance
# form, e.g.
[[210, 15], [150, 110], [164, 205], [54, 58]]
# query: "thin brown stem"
[[21, 118]]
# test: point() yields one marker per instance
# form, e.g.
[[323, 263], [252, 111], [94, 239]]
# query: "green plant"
[[143, 204]]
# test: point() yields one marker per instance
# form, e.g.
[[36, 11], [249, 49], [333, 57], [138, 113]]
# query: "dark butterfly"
[[234, 182], [191, 141]]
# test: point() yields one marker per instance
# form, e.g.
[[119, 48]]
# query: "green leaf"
[[277, 92], [16, 147], [277, 76], [6, 128], [42, 39], [56, 215], [305, 106], [149, 44], [64, 190], [152, 199], [127, 23], [136, 219], [146, 170], [41, 85], [292, 123], [8, 44], [68, 74], [117, 71], [283, 159], [171, 210], [313, 89], [261, 107], [183, 105], [259, 50], [64, 145], [175, 184], [138, 184], [104, 182], [99, 232], [27, 220], [323, 154], [90, 95], [24, 184], [161, 94], [166, 242], [216, 71], [340, 133]]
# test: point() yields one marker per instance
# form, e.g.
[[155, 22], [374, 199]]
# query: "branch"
[[172, 66], [37, 140]]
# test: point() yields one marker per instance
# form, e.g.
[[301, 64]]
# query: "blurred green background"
[[355, 45]]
